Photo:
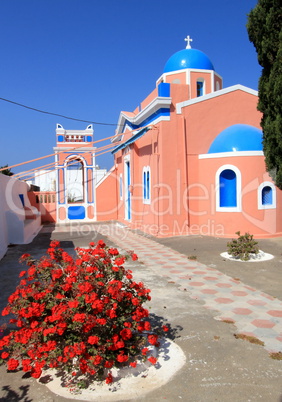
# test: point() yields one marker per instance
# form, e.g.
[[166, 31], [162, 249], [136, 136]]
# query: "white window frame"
[[120, 187], [260, 188], [238, 208]]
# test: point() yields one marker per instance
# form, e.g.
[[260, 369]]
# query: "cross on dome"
[[188, 40]]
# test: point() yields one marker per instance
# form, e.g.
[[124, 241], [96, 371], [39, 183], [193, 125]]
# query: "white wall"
[[14, 227]]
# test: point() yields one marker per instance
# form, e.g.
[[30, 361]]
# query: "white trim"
[[266, 206], [148, 110], [74, 149], [230, 154], [106, 176], [188, 74], [120, 186], [238, 208], [221, 92], [126, 189]]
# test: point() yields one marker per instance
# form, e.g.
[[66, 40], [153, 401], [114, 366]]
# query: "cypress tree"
[[265, 32]]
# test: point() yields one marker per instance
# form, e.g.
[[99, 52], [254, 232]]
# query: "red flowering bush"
[[82, 315]]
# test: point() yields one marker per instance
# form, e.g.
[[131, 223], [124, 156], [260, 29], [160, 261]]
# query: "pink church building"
[[188, 160]]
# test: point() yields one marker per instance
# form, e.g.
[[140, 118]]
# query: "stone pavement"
[[254, 313]]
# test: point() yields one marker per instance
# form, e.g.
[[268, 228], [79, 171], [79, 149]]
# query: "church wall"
[[195, 76], [206, 119], [177, 78], [259, 222], [107, 198], [149, 99]]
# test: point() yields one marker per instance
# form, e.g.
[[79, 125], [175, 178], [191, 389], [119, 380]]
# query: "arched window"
[[227, 188], [228, 184], [266, 196], [146, 185], [75, 181]]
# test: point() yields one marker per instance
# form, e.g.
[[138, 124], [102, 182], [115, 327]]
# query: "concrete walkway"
[[193, 298], [254, 313]]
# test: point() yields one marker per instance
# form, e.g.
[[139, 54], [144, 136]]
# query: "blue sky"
[[91, 59]]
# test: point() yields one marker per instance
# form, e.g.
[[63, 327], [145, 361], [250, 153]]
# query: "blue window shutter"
[[266, 196], [144, 186], [148, 185], [228, 188]]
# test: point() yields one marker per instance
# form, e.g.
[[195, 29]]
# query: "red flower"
[[79, 317], [108, 364], [147, 326], [26, 363], [113, 251], [73, 303], [126, 334], [56, 274], [25, 256], [97, 360], [121, 358], [101, 244], [152, 360], [134, 257], [12, 364], [101, 321], [133, 364], [93, 340], [54, 243], [119, 261], [153, 339], [4, 355], [165, 328], [109, 379], [66, 257]]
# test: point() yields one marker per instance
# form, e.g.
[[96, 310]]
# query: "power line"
[[57, 114]]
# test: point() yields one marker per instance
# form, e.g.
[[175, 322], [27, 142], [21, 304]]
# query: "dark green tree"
[[265, 32], [6, 171]]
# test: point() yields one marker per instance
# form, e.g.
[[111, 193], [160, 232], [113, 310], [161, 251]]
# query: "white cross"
[[188, 40]]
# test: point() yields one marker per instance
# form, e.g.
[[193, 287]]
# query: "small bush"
[[242, 247]]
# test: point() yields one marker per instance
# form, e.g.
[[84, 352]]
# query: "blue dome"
[[188, 58], [239, 137]]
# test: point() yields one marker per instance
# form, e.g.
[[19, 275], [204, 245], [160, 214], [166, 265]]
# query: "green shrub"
[[242, 247]]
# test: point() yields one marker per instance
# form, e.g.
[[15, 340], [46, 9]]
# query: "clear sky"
[[91, 59]]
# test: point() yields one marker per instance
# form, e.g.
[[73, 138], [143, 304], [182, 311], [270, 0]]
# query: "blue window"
[[267, 196], [146, 185], [22, 199], [200, 88], [228, 188]]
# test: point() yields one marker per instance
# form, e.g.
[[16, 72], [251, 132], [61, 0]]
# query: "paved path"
[[254, 312]]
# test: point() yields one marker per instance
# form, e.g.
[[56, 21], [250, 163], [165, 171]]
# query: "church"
[[188, 160]]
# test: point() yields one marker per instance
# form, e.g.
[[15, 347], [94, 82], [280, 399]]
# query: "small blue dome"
[[239, 137], [188, 58]]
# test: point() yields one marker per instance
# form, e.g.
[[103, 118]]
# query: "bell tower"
[[75, 163]]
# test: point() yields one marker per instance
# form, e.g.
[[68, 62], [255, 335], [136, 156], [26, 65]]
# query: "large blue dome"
[[239, 137], [188, 58]]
